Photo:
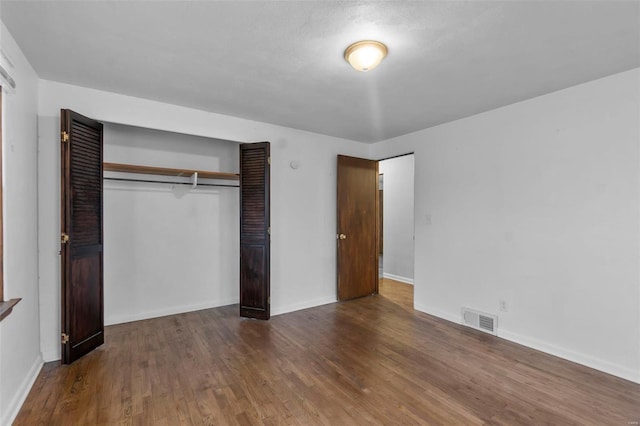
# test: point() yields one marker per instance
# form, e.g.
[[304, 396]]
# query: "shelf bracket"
[[194, 180]]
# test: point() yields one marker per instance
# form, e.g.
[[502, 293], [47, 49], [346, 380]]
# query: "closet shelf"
[[164, 171]]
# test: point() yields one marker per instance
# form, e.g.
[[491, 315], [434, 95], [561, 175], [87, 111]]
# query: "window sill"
[[7, 307]]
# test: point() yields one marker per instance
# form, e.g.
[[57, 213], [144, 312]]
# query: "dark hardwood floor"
[[366, 361]]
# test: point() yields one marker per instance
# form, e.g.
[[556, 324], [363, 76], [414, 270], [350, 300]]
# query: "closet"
[[181, 227], [171, 209]]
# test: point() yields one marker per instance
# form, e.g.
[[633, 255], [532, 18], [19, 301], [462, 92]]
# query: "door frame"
[[378, 227], [381, 213]]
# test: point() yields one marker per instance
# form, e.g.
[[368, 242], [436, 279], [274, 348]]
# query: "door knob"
[[342, 237]]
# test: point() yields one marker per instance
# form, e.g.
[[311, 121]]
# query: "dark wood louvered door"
[[255, 230], [358, 227], [81, 238]]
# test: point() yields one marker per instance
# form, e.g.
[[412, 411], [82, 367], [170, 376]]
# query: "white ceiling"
[[281, 62]]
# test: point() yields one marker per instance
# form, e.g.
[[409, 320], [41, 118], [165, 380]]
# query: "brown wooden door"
[[358, 227], [255, 231], [81, 239]]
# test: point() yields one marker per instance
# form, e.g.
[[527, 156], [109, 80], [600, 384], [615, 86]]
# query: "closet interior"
[[171, 220]]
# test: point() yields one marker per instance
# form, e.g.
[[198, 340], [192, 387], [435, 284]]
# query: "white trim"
[[279, 310], [436, 313], [113, 320], [398, 278], [23, 391], [51, 355], [539, 345], [579, 358]]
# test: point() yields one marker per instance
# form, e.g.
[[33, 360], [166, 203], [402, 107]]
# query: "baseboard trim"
[[398, 278], [51, 355], [23, 391], [569, 355], [279, 310], [168, 311], [437, 313], [548, 348]]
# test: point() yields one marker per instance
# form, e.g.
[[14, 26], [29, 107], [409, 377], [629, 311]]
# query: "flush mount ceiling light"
[[365, 55]]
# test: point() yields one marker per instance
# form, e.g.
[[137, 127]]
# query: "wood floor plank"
[[369, 361]]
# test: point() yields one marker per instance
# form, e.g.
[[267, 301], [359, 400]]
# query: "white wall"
[[303, 201], [20, 358], [537, 204], [398, 217], [168, 248]]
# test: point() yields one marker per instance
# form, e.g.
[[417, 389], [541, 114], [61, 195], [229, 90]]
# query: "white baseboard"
[[437, 313], [398, 278], [578, 358], [119, 319], [551, 349], [23, 391], [279, 310], [51, 355]]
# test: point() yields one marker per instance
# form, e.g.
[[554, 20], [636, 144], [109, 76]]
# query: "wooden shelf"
[[164, 171]]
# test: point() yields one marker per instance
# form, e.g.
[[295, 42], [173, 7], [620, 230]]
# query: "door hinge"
[[269, 300], [269, 230], [269, 160], [64, 137], [64, 238], [65, 338]]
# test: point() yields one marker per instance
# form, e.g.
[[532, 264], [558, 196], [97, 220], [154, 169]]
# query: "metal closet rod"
[[169, 182]]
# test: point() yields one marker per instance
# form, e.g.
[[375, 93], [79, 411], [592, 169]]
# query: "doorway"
[[397, 229], [375, 224]]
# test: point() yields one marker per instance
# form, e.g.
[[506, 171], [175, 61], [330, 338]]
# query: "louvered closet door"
[[81, 218], [254, 231]]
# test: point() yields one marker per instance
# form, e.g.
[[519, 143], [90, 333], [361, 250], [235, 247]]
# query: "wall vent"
[[480, 321]]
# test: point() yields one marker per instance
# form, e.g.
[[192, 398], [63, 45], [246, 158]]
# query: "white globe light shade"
[[365, 55]]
